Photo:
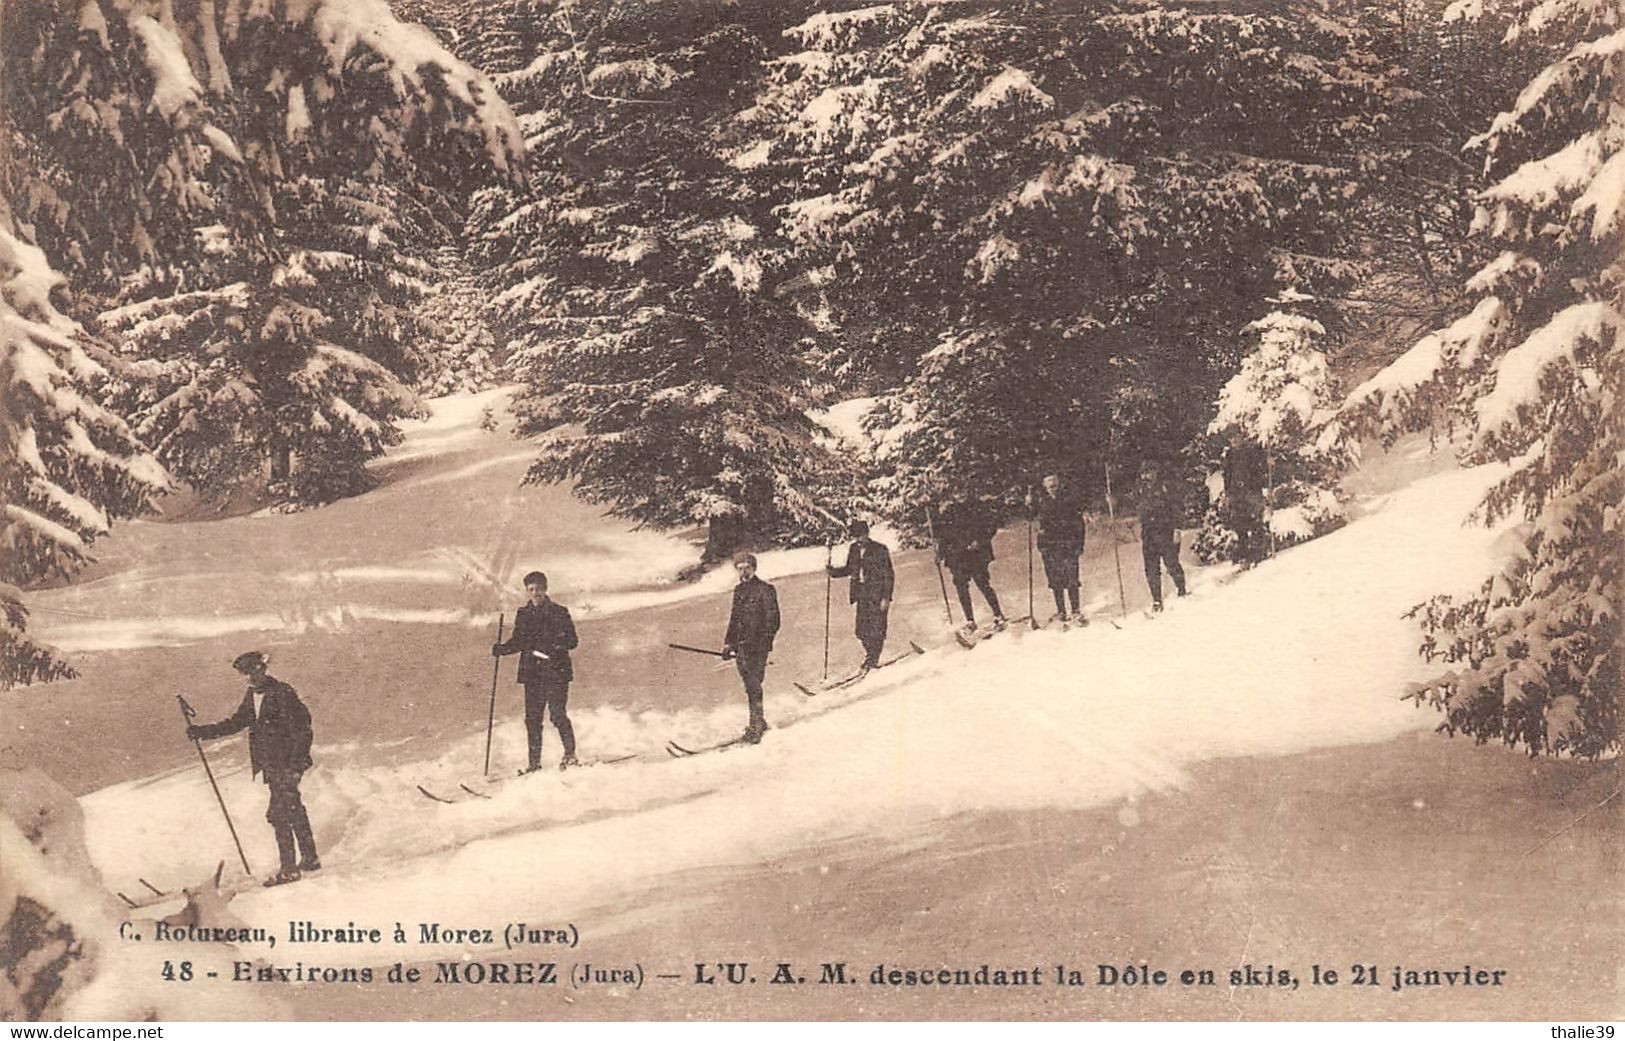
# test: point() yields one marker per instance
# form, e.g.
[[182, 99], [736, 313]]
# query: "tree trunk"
[[723, 536], [281, 460]]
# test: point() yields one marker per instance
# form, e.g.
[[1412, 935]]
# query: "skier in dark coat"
[[965, 533], [543, 637], [868, 563], [752, 625], [279, 737], [1061, 533], [1245, 477], [1159, 542]]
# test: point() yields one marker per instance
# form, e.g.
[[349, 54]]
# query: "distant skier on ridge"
[[752, 624], [868, 564]]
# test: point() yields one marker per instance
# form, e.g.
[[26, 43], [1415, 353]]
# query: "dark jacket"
[[279, 737], [1246, 470], [869, 565], [546, 628], [754, 620], [965, 533], [1060, 521], [1160, 508]]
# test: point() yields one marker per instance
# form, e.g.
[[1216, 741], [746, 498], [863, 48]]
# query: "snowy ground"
[[1306, 654], [1029, 721]]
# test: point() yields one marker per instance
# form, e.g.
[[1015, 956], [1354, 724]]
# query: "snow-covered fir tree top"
[[1284, 388]]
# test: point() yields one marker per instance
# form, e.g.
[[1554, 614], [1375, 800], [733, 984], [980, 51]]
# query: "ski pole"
[[491, 714], [1111, 511], [829, 581], [1032, 615], [188, 714], [694, 650], [937, 556]]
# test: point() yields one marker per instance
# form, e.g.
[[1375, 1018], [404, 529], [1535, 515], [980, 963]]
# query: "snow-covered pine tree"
[[1413, 225], [457, 350], [665, 378], [111, 148], [1533, 376], [337, 145], [302, 355], [1284, 399], [68, 466], [1022, 185]]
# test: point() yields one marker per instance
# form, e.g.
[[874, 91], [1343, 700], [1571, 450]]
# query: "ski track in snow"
[[1309, 650], [607, 570]]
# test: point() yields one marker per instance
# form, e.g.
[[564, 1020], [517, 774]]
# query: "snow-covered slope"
[[378, 608], [1307, 651]]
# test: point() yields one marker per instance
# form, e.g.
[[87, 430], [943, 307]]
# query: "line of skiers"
[[544, 634]]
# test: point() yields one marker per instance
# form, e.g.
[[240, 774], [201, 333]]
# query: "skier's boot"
[[753, 732], [569, 761], [310, 865], [532, 768], [282, 878], [999, 623]]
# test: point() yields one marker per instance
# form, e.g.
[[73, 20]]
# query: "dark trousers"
[[871, 631], [1160, 548], [962, 581], [1061, 573], [1246, 519], [544, 696], [752, 665], [288, 819]]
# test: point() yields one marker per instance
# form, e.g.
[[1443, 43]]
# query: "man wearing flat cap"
[[279, 737], [752, 624]]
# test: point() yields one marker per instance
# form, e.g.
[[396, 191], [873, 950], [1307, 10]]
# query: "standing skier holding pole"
[[279, 737], [965, 531], [868, 564], [543, 637], [752, 624], [1159, 542], [1062, 530]]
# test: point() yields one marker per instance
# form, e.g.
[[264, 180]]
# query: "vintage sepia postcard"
[[811, 510]]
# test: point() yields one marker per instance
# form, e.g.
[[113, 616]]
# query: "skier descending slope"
[[965, 533], [752, 625], [868, 563], [279, 737], [543, 637], [1061, 533], [1159, 545]]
